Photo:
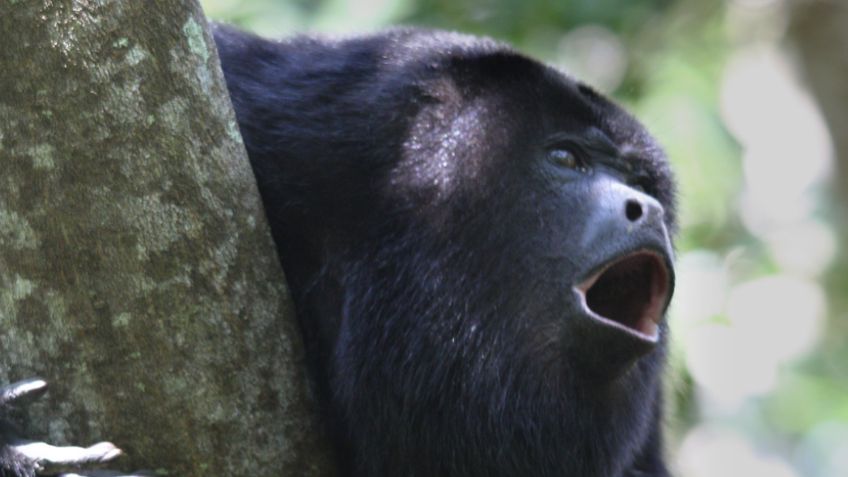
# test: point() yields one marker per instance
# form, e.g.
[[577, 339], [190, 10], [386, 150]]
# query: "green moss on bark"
[[137, 273]]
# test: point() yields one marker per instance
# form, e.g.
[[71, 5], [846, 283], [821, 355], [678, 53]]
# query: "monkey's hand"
[[25, 458]]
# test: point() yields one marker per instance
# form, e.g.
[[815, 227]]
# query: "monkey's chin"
[[629, 293]]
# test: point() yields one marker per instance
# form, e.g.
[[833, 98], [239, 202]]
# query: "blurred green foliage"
[[668, 61]]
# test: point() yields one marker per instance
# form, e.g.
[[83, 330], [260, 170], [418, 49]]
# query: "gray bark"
[[137, 273]]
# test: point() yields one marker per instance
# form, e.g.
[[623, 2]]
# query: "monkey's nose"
[[640, 207], [618, 211], [633, 210]]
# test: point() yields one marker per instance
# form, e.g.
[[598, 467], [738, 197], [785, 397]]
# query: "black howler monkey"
[[478, 249]]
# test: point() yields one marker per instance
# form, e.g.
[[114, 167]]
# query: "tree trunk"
[[818, 28], [137, 273]]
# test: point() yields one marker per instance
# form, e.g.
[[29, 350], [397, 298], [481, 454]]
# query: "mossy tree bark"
[[137, 273]]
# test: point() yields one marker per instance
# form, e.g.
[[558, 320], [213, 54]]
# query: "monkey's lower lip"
[[629, 293]]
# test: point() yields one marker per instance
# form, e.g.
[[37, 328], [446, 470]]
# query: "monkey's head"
[[524, 207], [479, 248]]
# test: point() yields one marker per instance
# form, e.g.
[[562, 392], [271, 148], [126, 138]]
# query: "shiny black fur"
[[431, 248]]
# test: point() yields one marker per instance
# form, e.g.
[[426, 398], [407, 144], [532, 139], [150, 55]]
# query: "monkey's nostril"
[[633, 210]]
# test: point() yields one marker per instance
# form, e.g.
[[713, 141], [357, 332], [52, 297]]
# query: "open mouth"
[[629, 293]]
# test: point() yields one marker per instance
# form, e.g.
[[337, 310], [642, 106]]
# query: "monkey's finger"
[[56, 459], [22, 392]]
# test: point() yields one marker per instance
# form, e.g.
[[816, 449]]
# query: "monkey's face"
[[614, 239], [555, 204]]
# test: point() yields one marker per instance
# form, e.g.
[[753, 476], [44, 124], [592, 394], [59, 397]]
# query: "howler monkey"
[[478, 249]]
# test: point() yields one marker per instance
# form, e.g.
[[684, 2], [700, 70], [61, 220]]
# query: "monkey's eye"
[[565, 158]]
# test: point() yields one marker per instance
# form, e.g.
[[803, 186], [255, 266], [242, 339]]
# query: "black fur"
[[432, 246]]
